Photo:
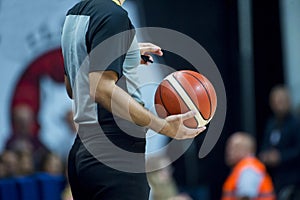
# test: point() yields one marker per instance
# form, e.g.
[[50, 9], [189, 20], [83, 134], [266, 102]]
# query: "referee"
[[101, 56]]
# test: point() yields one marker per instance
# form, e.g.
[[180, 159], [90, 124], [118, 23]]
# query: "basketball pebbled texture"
[[183, 91]]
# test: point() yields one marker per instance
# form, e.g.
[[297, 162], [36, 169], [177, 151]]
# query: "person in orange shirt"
[[248, 178]]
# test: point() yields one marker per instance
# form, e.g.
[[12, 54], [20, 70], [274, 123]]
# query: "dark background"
[[214, 25]]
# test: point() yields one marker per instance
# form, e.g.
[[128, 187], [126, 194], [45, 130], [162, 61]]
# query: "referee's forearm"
[[105, 92], [120, 103]]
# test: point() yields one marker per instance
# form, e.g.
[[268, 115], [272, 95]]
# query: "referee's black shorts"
[[91, 179]]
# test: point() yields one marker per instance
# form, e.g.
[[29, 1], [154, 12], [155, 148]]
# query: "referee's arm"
[[103, 90]]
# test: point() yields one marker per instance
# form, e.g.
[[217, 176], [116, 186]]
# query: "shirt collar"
[[117, 2]]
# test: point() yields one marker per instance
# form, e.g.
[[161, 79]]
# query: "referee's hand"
[[146, 50]]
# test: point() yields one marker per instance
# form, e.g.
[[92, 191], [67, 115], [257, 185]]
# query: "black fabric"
[[287, 172], [93, 180], [106, 20]]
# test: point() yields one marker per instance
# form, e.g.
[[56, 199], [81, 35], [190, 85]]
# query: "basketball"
[[186, 90]]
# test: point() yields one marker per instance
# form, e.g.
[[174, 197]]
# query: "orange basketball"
[[183, 91]]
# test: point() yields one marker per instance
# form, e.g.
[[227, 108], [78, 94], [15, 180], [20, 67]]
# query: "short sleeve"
[[109, 39]]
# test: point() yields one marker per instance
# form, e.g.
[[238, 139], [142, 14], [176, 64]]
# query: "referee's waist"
[[123, 129]]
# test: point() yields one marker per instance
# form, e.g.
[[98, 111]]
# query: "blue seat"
[[51, 187], [28, 188], [8, 189]]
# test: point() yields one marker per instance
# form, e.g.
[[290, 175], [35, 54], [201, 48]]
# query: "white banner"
[[29, 30]]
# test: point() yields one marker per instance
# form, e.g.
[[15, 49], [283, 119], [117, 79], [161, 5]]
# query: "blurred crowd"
[[25, 154]]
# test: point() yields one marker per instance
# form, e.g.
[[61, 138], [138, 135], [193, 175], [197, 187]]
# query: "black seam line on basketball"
[[209, 98], [161, 99], [183, 99]]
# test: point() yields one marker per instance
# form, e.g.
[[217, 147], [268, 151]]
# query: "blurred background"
[[255, 45]]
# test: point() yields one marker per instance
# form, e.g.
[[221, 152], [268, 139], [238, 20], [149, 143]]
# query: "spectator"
[[26, 163], [163, 186], [192, 175], [10, 160], [22, 122], [22, 139], [3, 170], [52, 164], [249, 178], [280, 150]]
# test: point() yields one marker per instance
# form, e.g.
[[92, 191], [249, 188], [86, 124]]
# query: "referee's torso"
[[98, 35]]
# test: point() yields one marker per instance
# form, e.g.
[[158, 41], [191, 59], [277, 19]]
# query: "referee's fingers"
[[188, 115], [191, 133]]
